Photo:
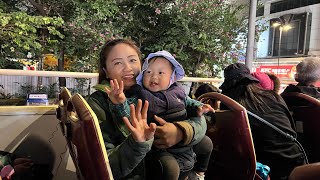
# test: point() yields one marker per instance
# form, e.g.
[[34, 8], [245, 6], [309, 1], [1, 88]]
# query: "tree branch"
[[39, 7]]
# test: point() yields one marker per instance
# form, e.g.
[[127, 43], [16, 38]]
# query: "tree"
[[86, 26], [19, 32], [83, 27], [86, 29], [200, 33]]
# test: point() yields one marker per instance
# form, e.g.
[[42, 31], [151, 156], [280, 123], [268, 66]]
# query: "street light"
[[282, 26]]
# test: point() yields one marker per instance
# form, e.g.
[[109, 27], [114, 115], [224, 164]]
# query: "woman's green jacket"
[[125, 155]]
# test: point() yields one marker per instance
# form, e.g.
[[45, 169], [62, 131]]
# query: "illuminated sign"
[[37, 99], [282, 71]]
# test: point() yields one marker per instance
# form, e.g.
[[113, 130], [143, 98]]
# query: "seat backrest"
[[61, 111], [295, 99], [62, 116], [87, 141], [233, 155], [306, 172], [306, 113]]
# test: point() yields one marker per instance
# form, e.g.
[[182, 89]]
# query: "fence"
[[19, 86], [19, 83]]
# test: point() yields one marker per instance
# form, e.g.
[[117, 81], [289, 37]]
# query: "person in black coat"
[[308, 78], [272, 148]]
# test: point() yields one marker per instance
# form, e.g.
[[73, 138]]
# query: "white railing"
[[19, 82], [14, 81]]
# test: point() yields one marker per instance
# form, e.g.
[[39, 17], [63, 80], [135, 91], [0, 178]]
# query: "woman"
[[272, 148], [121, 59]]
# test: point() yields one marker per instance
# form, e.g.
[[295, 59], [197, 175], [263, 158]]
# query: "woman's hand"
[[167, 134], [138, 126], [116, 94]]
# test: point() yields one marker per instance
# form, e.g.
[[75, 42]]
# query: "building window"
[[293, 41], [290, 4]]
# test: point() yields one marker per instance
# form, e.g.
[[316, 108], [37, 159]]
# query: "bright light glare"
[[287, 27], [276, 24]]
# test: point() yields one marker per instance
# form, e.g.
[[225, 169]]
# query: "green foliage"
[[3, 95], [200, 33], [86, 29], [7, 64], [51, 90], [19, 32], [26, 89], [79, 27], [80, 87]]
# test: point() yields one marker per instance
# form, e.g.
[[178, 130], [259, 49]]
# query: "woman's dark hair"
[[205, 88], [252, 96], [106, 49]]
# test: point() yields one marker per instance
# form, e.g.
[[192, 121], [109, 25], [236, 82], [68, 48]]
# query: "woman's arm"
[[124, 152], [125, 157], [188, 132]]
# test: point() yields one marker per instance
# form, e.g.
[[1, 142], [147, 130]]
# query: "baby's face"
[[157, 76]]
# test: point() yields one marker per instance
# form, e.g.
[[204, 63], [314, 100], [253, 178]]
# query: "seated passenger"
[[308, 78], [272, 148], [210, 117], [127, 149], [268, 81], [205, 88], [157, 83]]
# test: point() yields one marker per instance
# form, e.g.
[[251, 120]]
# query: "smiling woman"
[[127, 146]]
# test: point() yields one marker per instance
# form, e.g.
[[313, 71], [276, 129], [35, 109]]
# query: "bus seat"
[[91, 160], [295, 99], [61, 111], [233, 155], [306, 172], [306, 114]]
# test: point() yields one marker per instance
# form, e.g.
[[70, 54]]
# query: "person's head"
[[308, 71], [268, 81], [157, 76], [159, 71], [235, 74], [120, 59], [241, 86], [205, 88]]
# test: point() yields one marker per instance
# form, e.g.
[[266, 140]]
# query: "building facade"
[[279, 46]]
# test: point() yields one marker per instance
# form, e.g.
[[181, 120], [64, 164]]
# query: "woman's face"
[[123, 64]]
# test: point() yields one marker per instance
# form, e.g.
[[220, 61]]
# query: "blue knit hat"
[[178, 71]]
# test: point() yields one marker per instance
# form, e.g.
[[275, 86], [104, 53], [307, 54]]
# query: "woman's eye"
[[133, 60], [117, 63]]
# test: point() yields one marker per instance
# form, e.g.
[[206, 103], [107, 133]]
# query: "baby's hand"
[[204, 109], [116, 94]]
